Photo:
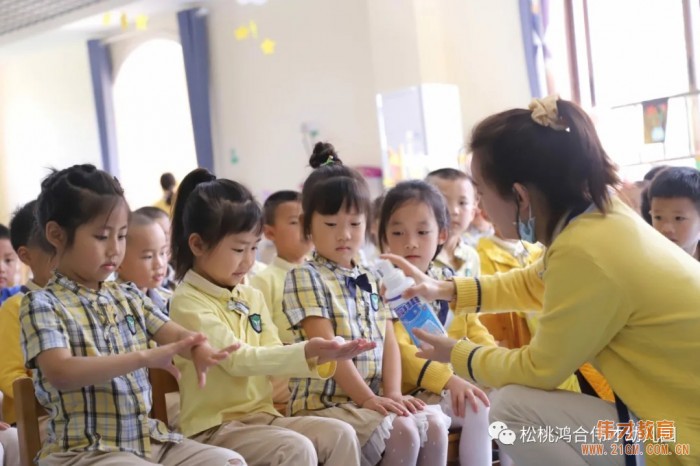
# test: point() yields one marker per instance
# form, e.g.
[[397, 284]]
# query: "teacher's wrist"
[[448, 290]]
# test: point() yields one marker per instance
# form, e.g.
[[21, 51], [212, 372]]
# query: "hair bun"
[[323, 153]]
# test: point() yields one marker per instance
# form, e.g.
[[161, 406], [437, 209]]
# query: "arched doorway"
[[152, 116]]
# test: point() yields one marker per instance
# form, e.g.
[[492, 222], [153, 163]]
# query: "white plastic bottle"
[[414, 312]]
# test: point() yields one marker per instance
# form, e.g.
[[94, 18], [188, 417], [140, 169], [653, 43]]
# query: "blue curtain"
[[533, 17], [101, 74], [195, 48]]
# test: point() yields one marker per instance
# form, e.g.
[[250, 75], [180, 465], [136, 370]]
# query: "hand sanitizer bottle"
[[413, 312]]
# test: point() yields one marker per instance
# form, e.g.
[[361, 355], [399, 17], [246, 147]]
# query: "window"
[[624, 52]]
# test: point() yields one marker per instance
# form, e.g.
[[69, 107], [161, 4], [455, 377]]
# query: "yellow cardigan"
[[616, 293]]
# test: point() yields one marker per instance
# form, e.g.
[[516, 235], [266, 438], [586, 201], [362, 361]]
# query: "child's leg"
[[403, 445], [10, 447], [475, 447], [434, 450], [522, 408], [261, 443], [190, 453], [93, 458], [335, 441]]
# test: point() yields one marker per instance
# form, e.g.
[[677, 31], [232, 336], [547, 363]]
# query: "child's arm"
[[391, 371], [347, 376], [67, 372], [298, 360], [419, 372]]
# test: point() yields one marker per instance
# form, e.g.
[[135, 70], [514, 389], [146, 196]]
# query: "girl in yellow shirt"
[[217, 225], [414, 224]]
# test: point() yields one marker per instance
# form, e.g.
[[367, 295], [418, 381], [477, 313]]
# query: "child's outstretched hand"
[[462, 392], [426, 287], [4, 426], [333, 350], [204, 357], [161, 357]]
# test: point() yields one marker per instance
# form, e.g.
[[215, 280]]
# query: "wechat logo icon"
[[499, 431]]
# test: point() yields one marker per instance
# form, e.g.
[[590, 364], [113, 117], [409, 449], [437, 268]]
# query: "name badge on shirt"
[[374, 301], [238, 307], [131, 323], [255, 322]]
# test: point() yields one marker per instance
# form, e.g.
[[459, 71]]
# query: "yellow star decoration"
[[241, 33], [252, 25], [106, 19], [124, 21], [142, 22], [268, 46]]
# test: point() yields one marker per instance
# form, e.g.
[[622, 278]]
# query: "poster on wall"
[[655, 116]]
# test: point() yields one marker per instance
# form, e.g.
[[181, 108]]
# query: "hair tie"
[[330, 161], [546, 113]]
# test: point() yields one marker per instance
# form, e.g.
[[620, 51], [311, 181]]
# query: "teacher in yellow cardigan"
[[612, 291]]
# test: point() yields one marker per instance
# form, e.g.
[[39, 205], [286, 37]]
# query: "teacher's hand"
[[434, 347], [425, 287]]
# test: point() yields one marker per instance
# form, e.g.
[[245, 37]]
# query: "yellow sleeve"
[[518, 289], [418, 372], [566, 337], [272, 359], [12, 361]]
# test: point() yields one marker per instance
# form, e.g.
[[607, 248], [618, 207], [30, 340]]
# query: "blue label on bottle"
[[416, 314]]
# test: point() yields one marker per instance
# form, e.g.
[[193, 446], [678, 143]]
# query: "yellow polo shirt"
[[270, 282], [614, 292], [12, 360], [239, 385]]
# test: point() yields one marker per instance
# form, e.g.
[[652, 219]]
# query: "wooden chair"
[[28, 410], [453, 446], [162, 383]]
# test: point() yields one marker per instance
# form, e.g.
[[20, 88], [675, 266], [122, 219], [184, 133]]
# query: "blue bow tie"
[[444, 310], [361, 282]]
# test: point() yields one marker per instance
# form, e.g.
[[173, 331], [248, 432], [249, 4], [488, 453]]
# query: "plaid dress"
[[320, 288]]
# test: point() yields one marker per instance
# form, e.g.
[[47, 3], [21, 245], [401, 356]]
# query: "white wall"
[[47, 118], [485, 56], [320, 72], [332, 57]]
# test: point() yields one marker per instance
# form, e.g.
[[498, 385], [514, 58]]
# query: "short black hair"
[[275, 200], [417, 191], [167, 181], [649, 176], [4, 232], [677, 182], [154, 213], [449, 174], [24, 228]]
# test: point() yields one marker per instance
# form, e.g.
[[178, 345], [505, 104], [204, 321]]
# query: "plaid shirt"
[[117, 319], [318, 288]]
